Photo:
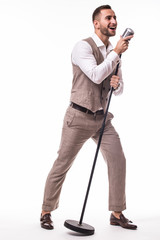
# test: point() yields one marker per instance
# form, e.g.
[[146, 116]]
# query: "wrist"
[[117, 51], [117, 87]]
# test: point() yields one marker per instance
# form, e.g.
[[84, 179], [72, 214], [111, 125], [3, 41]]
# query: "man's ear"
[[96, 24]]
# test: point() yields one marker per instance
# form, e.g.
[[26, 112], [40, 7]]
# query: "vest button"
[[104, 88]]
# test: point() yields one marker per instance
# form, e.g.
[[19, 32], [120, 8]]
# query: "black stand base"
[[80, 228]]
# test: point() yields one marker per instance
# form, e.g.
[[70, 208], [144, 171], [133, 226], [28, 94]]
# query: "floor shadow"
[[76, 234]]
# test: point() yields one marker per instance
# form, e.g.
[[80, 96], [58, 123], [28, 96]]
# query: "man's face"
[[106, 23]]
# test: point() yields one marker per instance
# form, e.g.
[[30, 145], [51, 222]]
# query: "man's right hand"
[[122, 45]]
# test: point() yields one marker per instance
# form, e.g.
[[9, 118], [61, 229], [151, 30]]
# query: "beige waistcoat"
[[85, 92]]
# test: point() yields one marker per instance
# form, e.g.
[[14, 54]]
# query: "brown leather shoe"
[[123, 222], [46, 221]]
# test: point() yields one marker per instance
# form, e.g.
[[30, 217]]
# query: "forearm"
[[99, 72], [83, 57]]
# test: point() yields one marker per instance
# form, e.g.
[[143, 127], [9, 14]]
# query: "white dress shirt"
[[83, 57]]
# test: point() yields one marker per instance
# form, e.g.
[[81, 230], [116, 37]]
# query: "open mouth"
[[112, 28]]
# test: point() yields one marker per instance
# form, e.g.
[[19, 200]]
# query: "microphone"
[[127, 32]]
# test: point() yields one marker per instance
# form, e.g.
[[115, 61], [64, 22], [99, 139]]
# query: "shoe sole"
[[117, 224], [48, 228]]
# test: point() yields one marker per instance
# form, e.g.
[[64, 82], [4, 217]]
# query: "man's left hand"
[[114, 81]]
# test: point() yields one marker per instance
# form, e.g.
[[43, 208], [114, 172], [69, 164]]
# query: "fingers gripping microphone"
[[80, 226], [128, 32]]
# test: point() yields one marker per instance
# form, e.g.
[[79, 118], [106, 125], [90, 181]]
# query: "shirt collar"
[[99, 42]]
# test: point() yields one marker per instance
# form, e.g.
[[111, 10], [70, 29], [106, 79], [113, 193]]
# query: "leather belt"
[[85, 110]]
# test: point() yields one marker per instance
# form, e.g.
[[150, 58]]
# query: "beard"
[[106, 31]]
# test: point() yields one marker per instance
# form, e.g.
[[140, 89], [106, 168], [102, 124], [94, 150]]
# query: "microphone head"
[[128, 32]]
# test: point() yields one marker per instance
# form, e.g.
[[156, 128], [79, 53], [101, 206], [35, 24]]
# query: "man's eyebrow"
[[114, 16]]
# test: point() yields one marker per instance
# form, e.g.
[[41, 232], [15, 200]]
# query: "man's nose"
[[113, 20]]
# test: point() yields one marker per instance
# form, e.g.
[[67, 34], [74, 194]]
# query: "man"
[[94, 62]]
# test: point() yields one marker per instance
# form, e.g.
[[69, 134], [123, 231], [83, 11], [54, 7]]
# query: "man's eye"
[[110, 17]]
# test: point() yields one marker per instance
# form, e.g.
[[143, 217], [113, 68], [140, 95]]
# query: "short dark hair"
[[98, 10]]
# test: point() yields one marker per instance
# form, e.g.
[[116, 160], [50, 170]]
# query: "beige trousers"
[[78, 127]]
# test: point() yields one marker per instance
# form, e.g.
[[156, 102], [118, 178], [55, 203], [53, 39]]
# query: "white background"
[[36, 40]]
